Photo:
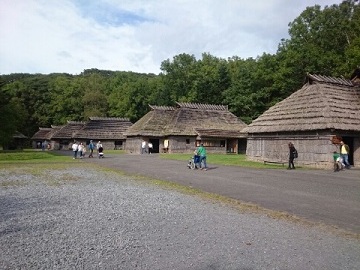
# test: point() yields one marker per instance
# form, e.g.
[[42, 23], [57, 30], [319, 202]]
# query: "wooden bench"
[[274, 162]]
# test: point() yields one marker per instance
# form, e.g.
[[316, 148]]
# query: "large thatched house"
[[108, 130], [180, 129], [313, 118]]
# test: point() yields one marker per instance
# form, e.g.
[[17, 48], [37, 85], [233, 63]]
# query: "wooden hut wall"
[[133, 145], [181, 144], [356, 151], [314, 150]]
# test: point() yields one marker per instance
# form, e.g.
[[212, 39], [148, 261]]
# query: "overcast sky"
[[46, 36]]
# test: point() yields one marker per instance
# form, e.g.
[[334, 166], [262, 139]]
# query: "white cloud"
[[137, 35]]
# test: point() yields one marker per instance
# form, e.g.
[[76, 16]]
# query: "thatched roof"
[[323, 103], [188, 119], [67, 131], [42, 134], [102, 128], [19, 135]]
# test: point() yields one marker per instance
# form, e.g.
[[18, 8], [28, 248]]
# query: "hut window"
[[187, 141], [222, 143], [118, 143]]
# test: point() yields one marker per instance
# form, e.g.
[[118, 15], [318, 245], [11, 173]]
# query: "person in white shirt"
[[75, 148], [143, 147], [150, 145], [98, 146]]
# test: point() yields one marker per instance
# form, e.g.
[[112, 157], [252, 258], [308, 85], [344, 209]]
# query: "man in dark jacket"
[[292, 153]]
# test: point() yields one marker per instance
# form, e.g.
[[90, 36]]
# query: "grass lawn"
[[226, 159], [32, 156]]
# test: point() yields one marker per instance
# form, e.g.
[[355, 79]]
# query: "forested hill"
[[322, 41]]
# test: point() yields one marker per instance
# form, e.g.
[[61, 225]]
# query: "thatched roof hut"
[[196, 122], [322, 108], [42, 134], [68, 131], [104, 128], [188, 119], [322, 103]]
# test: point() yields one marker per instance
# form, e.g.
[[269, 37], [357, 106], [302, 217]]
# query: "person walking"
[[98, 146], [91, 148], [75, 148], [81, 150], [143, 147], [202, 153], [344, 152], [150, 145], [292, 155]]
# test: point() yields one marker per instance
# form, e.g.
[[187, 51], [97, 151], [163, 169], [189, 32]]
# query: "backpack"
[[295, 153]]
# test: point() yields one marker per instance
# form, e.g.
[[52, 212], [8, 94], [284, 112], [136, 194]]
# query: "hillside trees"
[[321, 41], [12, 115]]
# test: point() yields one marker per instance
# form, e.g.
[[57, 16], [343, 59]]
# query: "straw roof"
[[19, 135], [102, 128], [67, 131], [322, 103], [188, 119], [42, 134]]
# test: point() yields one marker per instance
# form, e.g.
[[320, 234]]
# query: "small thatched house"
[[18, 141], [180, 129], [108, 130], [325, 108], [43, 137], [63, 137]]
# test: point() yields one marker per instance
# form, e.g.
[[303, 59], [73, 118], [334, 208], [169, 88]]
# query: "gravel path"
[[80, 218]]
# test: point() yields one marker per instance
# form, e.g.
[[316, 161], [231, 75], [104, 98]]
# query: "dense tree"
[[321, 41]]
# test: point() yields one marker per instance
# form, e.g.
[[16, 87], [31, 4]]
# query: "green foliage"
[[32, 157], [322, 41]]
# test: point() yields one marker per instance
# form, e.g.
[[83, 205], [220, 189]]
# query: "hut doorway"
[[155, 143], [350, 142]]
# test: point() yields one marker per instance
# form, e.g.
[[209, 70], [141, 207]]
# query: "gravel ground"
[[80, 218]]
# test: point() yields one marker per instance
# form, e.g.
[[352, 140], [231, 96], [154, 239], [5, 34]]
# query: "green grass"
[[32, 156], [226, 159]]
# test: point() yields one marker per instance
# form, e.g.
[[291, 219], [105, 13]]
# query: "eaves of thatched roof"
[[219, 133], [104, 128], [19, 135], [323, 103], [185, 119], [42, 134], [67, 131]]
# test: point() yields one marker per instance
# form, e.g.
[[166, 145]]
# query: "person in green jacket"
[[202, 153]]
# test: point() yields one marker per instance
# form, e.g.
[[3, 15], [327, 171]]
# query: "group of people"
[[80, 148], [341, 160], [146, 147]]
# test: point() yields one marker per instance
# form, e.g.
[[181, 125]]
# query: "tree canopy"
[[321, 41]]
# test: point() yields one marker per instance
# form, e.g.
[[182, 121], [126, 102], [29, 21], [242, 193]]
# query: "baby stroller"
[[193, 161], [101, 152]]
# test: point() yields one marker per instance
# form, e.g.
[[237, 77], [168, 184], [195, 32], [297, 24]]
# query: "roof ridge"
[[164, 108], [328, 79], [202, 106], [109, 118]]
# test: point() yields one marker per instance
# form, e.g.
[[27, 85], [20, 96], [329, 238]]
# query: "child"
[[338, 162], [101, 152]]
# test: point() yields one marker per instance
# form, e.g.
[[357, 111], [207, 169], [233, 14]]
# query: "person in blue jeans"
[[202, 153], [344, 152]]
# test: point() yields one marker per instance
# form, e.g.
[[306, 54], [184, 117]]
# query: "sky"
[[69, 36]]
